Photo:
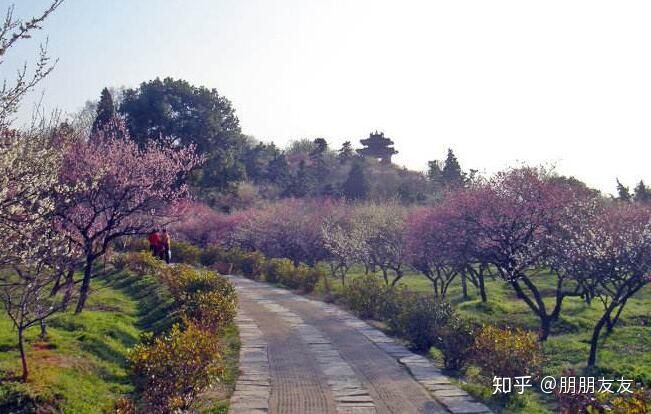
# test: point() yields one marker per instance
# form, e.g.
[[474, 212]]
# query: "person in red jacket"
[[165, 244], [155, 245]]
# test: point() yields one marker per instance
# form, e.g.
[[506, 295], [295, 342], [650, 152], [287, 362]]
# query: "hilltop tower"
[[377, 146]]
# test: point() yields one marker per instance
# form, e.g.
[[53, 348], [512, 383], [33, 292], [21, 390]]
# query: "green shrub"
[[419, 319], [455, 340], [366, 296], [292, 279], [183, 252], [143, 263], [124, 405], [249, 264], [278, 269], [206, 299], [211, 255], [310, 277], [636, 402], [211, 311], [171, 370], [119, 261], [507, 352]]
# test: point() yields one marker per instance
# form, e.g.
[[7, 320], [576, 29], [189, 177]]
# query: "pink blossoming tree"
[[127, 190], [609, 254]]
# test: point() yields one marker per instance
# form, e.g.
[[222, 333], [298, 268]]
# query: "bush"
[[507, 352], [456, 339], [124, 405], [637, 402], [365, 296], [249, 264], [119, 261], [143, 263], [211, 255], [171, 370], [419, 319], [185, 253], [310, 277], [278, 269], [206, 299]]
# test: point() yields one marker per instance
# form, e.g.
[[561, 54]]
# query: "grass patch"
[[82, 368], [624, 353]]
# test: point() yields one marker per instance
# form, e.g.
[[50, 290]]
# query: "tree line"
[[544, 236]]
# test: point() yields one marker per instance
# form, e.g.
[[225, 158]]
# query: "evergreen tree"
[[452, 174], [435, 175], [105, 111], [345, 152], [302, 183], [356, 186], [278, 171], [192, 115], [320, 147], [642, 194], [623, 194]]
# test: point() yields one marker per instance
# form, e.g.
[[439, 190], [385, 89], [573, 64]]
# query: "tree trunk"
[[399, 275], [594, 341], [43, 329], [545, 327], [85, 286], [23, 357], [610, 323], [70, 284], [482, 286], [464, 286]]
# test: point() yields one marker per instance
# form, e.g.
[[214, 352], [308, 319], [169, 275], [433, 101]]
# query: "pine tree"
[[435, 175], [278, 172], [623, 194], [320, 147], [356, 186], [302, 183], [345, 152], [452, 174], [105, 111], [642, 194]]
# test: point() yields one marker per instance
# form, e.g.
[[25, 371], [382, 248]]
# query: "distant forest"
[[240, 171]]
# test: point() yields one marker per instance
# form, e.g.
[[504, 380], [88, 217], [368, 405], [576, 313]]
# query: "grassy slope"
[[625, 352], [84, 359]]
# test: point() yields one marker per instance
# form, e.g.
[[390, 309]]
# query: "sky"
[[503, 83]]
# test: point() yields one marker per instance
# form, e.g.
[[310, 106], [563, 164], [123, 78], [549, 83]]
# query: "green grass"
[[82, 367], [625, 353]]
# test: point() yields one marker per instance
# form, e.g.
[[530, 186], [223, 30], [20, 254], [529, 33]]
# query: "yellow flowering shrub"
[[507, 352], [172, 369]]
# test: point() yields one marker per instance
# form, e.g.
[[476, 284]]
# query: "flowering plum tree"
[[127, 190], [202, 225], [518, 217], [434, 247], [34, 254], [610, 255], [290, 229], [382, 229], [345, 243]]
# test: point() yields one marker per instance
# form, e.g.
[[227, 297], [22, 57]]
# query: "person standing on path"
[[165, 246], [155, 243]]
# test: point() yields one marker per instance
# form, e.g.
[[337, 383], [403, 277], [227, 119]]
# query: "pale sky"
[[501, 82]]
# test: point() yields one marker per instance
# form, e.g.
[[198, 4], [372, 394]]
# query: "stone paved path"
[[300, 356]]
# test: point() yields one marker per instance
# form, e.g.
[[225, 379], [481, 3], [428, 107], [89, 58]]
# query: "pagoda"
[[377, 146]]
